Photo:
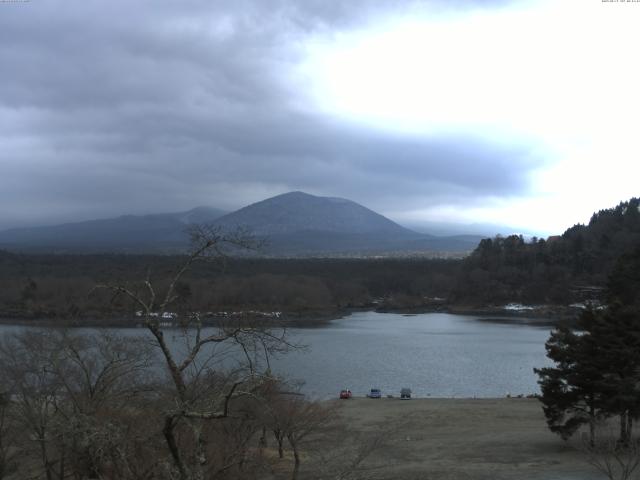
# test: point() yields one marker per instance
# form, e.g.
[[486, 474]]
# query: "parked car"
[[405, 394], [345, 394], [375, 393]]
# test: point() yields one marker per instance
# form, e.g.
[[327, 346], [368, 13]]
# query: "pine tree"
[[572, 390], [618, 335], [597, 372]]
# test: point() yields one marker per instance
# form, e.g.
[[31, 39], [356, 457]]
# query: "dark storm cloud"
[[116, 107]]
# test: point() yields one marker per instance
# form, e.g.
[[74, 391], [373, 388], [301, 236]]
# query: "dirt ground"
[[454, 439]]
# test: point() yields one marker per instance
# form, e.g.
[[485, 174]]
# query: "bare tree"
[[289, 415], [195, 398], [8, 444], [73, 396], [306, 418], [99, 369], [98, 407], [615, 459], [102, 376], [274, 412], [34, 392]]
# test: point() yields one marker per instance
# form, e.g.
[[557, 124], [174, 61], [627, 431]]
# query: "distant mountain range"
[[293, 224], [127, 233]]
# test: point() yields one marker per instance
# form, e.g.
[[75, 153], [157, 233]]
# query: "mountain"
[[292, 224], [297, 223], [134, 233], [297, 211]]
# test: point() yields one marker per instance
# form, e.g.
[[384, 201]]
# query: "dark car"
[[405, 394], [375, 393]]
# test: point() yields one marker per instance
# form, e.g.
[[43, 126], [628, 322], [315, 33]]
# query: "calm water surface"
[[435, 354]]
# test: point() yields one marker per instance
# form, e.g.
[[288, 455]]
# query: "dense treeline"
[[559, 270], [555, 270], [596, 374], [43, 285]]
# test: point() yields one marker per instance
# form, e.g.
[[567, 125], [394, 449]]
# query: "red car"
[[345, 394]]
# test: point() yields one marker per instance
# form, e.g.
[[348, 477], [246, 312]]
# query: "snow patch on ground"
[[517, 307]]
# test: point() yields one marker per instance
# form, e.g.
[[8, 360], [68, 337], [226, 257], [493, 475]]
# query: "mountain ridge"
[[293, 224], [122, 233]]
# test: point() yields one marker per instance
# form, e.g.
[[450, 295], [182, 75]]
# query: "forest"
[[559, 270], [595, 373]]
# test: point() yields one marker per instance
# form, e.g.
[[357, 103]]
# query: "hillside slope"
[[292, 224], [136, 233], [573, 266]]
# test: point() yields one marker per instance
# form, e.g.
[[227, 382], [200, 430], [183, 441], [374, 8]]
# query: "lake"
[[434, 354]]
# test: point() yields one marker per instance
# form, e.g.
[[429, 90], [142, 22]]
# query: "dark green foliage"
[[597, 371], [572, 390], [507, 269], [619, 334], [623, 285]]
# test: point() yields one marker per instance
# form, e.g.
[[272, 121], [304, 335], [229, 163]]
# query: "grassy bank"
[[456, 439]]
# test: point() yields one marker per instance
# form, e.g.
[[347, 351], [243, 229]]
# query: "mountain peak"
[[300, 196], [293, 223], [293, 194], [301, 212]]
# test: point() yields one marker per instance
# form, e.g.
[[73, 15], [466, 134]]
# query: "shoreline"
[[543, 316]]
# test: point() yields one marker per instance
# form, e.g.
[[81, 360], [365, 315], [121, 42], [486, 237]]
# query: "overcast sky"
[[522, 113]]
